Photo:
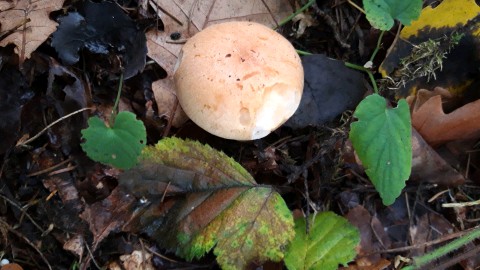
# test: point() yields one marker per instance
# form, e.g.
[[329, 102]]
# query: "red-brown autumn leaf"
[[438, 127], [193, 199]]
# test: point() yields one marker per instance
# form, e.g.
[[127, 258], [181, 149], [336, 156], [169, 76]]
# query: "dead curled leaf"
[[438, 127], [189, 17], [429, 166]]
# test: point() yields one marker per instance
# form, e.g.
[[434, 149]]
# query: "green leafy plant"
[[120, 142], [330, 241], [382, 136], [382, 139], [200, 199], [382, 13], [118, 145]]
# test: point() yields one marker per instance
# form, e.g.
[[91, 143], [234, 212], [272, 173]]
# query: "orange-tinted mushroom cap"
[[239, 80]]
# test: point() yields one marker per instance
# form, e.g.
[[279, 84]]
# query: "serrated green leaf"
[[209, 202], [331, 241], [382, 138], [119, 145], [381, 13]]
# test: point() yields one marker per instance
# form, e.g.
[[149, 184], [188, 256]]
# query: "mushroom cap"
[[239, 80]]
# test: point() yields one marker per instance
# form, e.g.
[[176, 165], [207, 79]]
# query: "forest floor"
[[59, 209]]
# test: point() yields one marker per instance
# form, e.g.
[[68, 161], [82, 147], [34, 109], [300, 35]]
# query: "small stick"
[[19, 144]]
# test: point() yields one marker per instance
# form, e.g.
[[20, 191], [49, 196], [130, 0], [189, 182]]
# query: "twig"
[[23, 212], [334, 26], [356, 6], [117, 101], [91, 257], [463, 204], [49, 169], [160, 255], [10, 229], [20, 144]]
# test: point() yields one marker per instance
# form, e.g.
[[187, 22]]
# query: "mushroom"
[[239, 80]]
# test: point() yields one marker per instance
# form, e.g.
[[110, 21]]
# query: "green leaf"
[[382, 138], [331, 241], [381, 13], [201, 199], [119, 145]]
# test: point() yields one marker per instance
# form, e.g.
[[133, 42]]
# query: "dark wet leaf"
[[330, 89], [14, 93], [101, 28], [211, 202]]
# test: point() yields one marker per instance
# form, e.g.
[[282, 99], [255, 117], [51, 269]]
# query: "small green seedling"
[[119, 143], [382, 136]]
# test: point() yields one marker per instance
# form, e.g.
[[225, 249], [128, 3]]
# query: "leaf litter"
[[54, 195]]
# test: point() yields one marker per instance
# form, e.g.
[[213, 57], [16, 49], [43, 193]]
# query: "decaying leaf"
[[445, 38], [437, 127], [29, 24], [184, 19], [107, 215], [429, 166], [137, 260], [369, 240], [210, 202]]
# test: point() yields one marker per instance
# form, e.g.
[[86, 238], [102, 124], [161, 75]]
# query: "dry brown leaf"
[[138, 260], [188, 17], [429, 166], [76, 245], [437, 127], [29, 22]]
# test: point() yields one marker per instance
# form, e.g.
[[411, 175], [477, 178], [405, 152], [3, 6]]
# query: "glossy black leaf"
[[330, 89], [101, 28]]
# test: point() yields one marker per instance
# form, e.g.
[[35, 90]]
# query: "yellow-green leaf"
[[200, 199]]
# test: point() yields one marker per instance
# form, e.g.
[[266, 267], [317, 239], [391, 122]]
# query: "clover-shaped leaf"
[[119, 145]]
